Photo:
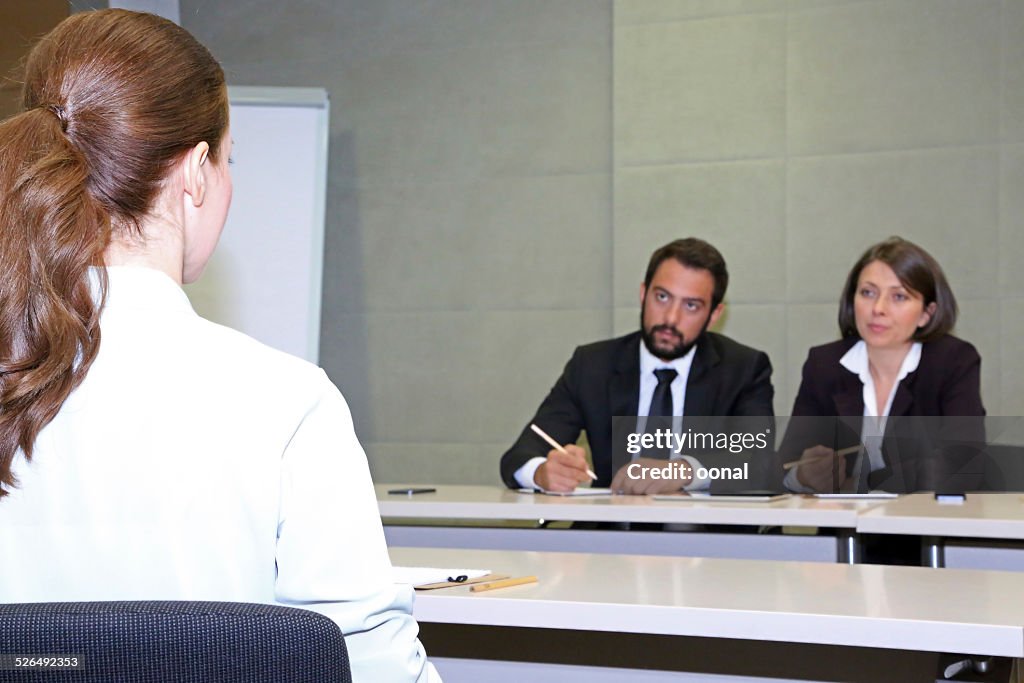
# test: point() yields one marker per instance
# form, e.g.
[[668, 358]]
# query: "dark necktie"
[[659, 417], [661, 402]]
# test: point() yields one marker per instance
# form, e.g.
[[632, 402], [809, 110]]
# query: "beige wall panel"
[[625, 319], [546, 109], [542, 243], [564, 22], [284, 31], [412, 116], [762, 326], [435, 463], [886, 75], [382, 26], [517, 243], [345, 356], [808, 325], [520, 357], [407, 241], [658, 11], [296, 74], [699, 90], [1011, 368], [410, 376], [317, 29], [345, 271], [980, 323], [1011, 221], [1013, 71], [943, 199], [810, 5], [402, 26], [738, 207]]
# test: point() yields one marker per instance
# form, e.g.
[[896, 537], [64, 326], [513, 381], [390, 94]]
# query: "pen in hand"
[[557, 446], [806, 461]]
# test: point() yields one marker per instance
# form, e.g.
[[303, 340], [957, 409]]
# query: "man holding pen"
[[672, 367]]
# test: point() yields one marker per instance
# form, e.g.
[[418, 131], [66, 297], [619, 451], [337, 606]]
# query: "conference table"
[[985, 530], [633, 602], [478, 517]]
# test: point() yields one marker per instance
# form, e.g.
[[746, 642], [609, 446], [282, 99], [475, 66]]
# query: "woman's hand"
[[821, 469]]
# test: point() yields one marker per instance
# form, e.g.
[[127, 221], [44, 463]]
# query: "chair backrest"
[[165, 641]]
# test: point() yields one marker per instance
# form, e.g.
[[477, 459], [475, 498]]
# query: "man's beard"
[[679, 349]]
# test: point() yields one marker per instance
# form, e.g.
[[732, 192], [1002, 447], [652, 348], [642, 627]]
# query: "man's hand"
[[563, 471], [642, 483], [824, 469]]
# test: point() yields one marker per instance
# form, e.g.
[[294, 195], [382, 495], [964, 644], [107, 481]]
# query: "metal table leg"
[[849, 550], [933, 552]]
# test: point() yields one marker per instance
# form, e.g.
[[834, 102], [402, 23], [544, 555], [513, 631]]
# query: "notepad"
[[575, 492], [420, 576]]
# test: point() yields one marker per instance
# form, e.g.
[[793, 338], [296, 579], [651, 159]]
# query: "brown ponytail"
[[111, 100]]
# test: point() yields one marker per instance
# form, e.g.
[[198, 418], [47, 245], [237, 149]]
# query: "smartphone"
[[950, 498], [411, 491]]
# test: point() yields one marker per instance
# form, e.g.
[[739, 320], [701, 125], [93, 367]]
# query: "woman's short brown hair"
[[918, 272]]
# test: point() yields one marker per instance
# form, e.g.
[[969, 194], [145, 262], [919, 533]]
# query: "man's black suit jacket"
[[938, 432], [602, 380]]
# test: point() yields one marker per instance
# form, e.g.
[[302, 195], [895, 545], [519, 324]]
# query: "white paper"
[[873, 495], [421, 576], [576, 492], [703, 497]]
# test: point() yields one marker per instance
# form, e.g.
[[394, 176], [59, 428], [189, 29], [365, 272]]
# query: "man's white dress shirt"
[[195, 463]]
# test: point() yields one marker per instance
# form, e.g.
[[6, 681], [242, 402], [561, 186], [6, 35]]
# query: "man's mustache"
[[666, 328]]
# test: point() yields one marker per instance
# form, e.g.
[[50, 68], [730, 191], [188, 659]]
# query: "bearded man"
[[673, 366]]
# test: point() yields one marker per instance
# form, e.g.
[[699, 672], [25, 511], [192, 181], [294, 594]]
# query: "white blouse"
[[873, 428], [194, 463]]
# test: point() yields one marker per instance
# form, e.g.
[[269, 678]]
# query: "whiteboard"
[[265, 276]]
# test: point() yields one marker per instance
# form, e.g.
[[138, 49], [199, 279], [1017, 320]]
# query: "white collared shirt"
[[856, 361], [649, 363], [195, 463]]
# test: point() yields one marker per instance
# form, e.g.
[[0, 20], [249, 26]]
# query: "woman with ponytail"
[[146, 453]]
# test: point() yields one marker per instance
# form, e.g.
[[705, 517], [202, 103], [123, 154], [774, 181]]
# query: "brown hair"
[[918, 272], [693, 252], [111, 100]]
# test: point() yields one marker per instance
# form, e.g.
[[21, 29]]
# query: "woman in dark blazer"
[[896, 359]]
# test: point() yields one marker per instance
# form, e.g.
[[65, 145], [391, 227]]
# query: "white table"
[[485, 504], [910, 608], [998, 516]]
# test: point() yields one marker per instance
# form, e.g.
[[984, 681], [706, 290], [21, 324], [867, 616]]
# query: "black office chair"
[[165, 642]]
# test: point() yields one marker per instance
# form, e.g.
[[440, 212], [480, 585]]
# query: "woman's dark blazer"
[[921, 454]]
